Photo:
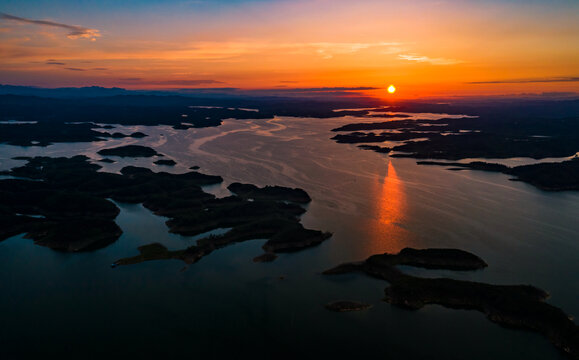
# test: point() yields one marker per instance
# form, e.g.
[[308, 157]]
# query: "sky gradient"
[[425, 48]]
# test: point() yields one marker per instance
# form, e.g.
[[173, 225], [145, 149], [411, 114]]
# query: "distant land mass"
[[537, 128], [532, 129], [48, 116]]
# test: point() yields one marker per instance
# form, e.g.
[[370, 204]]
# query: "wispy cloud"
[[525, 81], [183, 82], [74, 31], [234, 49], [426, 59], [188, 82], [330, 89], [313, 92], [62, 64], [210, 90], [329, 49]]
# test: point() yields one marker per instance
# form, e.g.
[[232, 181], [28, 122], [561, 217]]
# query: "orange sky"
[[425, 48]]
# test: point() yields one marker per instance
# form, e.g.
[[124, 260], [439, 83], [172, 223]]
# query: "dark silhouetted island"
[[167, 162], [347, 305], [266, 257], [44, 134], [546, 176], [516, 306], [118, 135], [249, 191], [129, 151], [65, 206], [507, 129]]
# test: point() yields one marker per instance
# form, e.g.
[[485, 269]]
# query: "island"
[[515, 306], [508, 129], [376, 148], [249, 191], [347, 305], [118, 135], [129, 151], [547, 176], [65, 204], [167, 162], [44, 134]]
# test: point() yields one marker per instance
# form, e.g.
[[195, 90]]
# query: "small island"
[[129, 151], [118, 135], [166, 162], [347, 305], [275, 193]]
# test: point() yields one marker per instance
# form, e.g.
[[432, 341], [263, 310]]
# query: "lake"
[[76, 305]]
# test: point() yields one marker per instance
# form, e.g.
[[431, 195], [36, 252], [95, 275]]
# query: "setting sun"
[[391, 89]]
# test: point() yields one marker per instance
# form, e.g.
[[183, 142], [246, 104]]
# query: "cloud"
[[525, 81], [230, 50], [215, 89], [187, 82], [328, 49], [426, 59], [329, 89], [183, 82], [314, 92], [54, 62], [131, 79], [74, 31]]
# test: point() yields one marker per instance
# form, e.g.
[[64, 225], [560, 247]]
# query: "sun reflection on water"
[[388, 233]]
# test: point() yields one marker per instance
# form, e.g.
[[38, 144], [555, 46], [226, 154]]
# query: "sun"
[[391, 89]]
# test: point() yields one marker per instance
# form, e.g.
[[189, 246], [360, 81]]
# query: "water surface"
[[59, 304]]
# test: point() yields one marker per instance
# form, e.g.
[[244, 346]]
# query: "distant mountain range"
[[341, 94], [66, 92], [99, 91], [326, 93]]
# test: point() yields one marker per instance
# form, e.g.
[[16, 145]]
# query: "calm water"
[[66, 305]]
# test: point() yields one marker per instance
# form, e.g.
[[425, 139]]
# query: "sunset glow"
[[428, 48], [209, 175]]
